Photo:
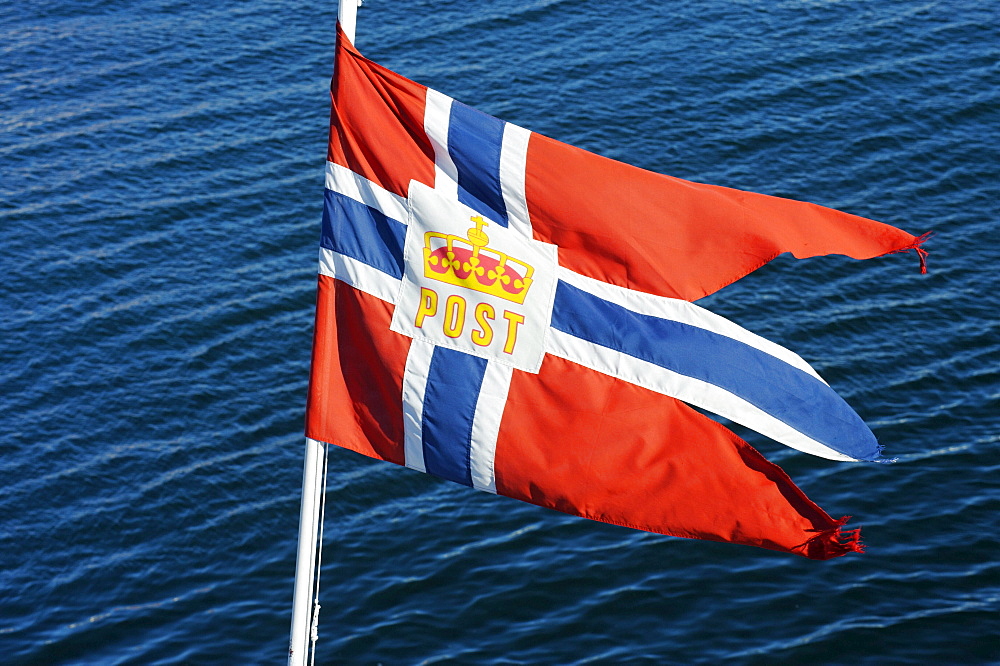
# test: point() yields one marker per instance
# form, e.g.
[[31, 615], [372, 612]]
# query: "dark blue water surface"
[[161, 186]]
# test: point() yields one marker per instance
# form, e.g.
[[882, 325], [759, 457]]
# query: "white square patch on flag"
[[472, 285]]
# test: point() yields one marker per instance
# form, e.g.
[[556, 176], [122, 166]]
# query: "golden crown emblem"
[[470, 263]]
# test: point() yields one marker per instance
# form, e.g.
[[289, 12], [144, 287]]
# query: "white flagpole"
[[305, 560], [303, 609], [348, 17]]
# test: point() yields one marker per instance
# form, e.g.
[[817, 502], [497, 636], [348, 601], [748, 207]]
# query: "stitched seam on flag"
[[513, 166], [475, 144], [803, 442], [812, 446], [489, 463], [746, 400], [355, 186], [382, 286], [437, 114], [840, 413], [360, 261], [466, 442], [478, 391], [489, 421], [356, 230], [347, 258], [413, 411], [683, 312]]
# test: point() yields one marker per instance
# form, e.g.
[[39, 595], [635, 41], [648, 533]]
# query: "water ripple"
[[159, 210]]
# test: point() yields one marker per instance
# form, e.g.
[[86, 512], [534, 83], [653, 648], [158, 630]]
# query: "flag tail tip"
[[917, 246], [874, 456], [877, 458], [835, 542]]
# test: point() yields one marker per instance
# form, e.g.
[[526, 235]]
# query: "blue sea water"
[[161, 175]]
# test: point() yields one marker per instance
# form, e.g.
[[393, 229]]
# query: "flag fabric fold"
[[513, 314]]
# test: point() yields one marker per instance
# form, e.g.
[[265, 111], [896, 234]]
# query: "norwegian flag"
[[511, 313]]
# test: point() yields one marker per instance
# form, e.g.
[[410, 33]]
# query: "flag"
[[514, 314]]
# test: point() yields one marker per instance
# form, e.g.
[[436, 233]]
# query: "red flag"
[[511, 313]]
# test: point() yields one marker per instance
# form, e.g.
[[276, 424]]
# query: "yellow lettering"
[[513, 321], [484, 337], [454, 316], [428, 305]]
